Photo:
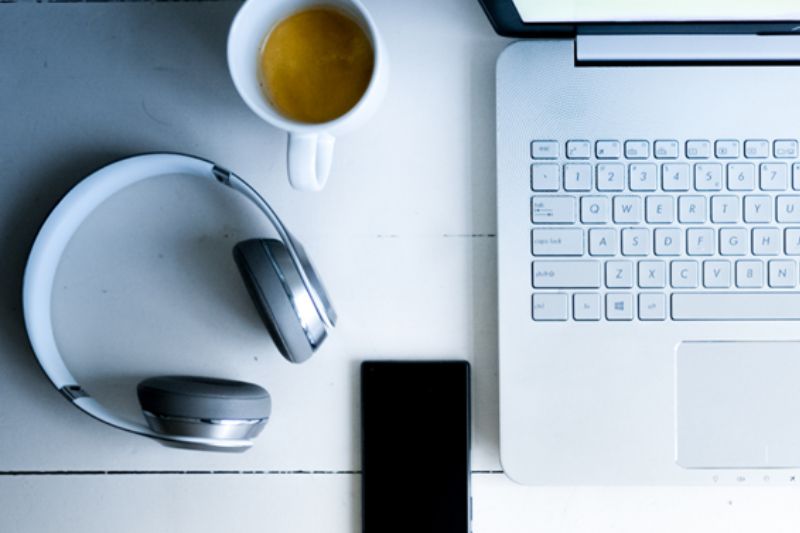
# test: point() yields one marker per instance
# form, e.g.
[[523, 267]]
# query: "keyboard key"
[[684, 274], [627, 209], [665, 149], [652, 306], [796, 176], [697, 149], [553, 210], [607, 149], [756, 149], [643, 177], [692, 209], [635, 241], [667, 241], [652, 274], [782, 273], [736, 306], [619, 306], [792, 241], [610, 177], [637, 149], [659, 209], [545, 177], [724, 209], [733, 241], [577, 177], [785, 149], [726, 149], [757, 209], [741, 176], [700, 241], [619, 274], [586, 306], [749, 274], [708, 177], [579, 149], [788, 208], [766, 241], [603, 242], [544, 149], [716, 274], [561, 241], [773, 176], [675, 177], [594, 209], [566, 274], [548, 306]]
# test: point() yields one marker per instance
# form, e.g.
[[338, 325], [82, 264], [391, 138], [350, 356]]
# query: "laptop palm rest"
[[737, 404]]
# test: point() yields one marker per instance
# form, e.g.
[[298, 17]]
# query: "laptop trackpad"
[[738, 404]]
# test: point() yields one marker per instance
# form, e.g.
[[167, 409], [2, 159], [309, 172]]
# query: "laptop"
[[648, 197]]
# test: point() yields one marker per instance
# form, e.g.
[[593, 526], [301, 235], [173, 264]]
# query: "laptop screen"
[[577, 11]]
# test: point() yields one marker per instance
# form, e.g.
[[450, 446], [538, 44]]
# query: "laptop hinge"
[[687, 49]]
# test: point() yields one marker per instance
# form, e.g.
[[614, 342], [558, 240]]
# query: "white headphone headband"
[[61, 225]]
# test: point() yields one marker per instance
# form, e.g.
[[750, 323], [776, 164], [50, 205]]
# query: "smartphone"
[[415, 430]]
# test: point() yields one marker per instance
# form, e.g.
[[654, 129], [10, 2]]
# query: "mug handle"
[[309, 160]]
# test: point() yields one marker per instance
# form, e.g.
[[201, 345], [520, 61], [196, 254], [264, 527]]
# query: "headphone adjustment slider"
[[223, 175], [73, 392]]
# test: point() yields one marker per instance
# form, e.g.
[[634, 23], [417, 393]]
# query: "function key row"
[[666, 149], [615, 177]]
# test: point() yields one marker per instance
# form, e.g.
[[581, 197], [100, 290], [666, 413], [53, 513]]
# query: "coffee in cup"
[[316, 65]]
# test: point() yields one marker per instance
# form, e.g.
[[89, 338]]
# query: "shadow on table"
[[483, 181], [21, 221]]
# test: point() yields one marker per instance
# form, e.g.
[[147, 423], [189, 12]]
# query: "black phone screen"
[[415, 447]]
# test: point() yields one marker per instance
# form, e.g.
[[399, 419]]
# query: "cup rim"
[[280, 120]]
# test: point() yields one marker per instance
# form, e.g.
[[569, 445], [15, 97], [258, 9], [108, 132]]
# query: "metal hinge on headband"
[[73, 392], [222, 175]]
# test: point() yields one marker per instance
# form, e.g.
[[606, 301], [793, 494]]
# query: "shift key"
[[566, 274]]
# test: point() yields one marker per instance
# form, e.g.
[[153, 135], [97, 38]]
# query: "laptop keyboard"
[[665, 229]]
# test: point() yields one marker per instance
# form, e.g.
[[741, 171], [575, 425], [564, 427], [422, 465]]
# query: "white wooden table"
[[403, 235]]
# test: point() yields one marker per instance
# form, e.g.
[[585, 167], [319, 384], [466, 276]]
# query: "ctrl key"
[[550, 306]]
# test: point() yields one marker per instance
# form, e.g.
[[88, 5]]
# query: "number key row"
[[615, 177]]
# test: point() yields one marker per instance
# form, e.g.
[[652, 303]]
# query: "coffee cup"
[[310, 144]]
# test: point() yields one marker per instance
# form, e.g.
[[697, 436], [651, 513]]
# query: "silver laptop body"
[[648, 193]]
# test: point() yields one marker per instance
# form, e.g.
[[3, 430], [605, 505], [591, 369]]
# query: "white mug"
[[310, 149]]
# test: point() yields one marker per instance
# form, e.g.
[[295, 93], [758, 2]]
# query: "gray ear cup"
[[204, 407], [281, 298]]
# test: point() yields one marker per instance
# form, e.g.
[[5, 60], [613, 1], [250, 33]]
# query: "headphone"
[[185, 411]]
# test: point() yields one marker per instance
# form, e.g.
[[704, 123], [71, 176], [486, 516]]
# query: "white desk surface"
[[403, 235]]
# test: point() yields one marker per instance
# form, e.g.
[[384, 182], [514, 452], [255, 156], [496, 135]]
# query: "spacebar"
[[736, 306]]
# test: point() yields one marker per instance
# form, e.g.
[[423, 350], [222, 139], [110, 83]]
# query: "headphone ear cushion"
[[267, 271], [203, 398]]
